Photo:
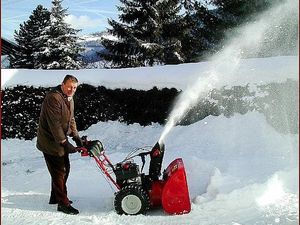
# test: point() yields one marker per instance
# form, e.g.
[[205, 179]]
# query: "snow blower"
[[138, 192]]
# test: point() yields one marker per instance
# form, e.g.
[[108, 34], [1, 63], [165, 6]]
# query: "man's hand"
[[69, 148], [78, 141]]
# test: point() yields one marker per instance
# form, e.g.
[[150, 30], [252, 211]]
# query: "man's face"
[[69, 88]]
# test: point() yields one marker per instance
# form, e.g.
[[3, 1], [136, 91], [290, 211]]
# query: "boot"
[[52, 199], [68, 209]]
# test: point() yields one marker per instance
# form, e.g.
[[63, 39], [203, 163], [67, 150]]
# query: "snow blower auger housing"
[[137, 192]]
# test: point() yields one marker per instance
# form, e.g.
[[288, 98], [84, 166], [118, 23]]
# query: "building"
[[7, 46]]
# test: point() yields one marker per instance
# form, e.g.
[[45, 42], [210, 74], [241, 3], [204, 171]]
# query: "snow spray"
[[249, 39]]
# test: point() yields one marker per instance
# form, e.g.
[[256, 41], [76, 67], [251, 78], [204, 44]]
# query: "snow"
[[250, 71], [240, 170]]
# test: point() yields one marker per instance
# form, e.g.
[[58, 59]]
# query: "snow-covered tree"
[[172, 30], [23, 56], [146, 34], [58, 47], [135, 37]]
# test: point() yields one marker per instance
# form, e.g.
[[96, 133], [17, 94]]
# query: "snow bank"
[[275, 69]]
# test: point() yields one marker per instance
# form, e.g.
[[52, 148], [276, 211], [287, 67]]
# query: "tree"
[[236, 12], [201, 34], [58, 47], [233, 13], [280, 38], [208, 28], [23, 56], [172, 30], [145, 36]]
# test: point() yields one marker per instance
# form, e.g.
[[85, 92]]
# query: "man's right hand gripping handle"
[[69, 148]]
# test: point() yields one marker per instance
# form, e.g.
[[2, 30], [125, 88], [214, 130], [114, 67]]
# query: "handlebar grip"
[[83, 151]]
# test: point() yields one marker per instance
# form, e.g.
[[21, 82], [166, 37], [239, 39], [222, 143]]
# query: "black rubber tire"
[[131, 200]]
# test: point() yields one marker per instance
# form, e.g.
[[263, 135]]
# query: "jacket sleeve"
[[73, 126], [54, 118]]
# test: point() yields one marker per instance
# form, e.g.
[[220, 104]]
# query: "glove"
[[69, 148], [78, 141]]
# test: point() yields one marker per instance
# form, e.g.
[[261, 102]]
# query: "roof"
[[7, 46]]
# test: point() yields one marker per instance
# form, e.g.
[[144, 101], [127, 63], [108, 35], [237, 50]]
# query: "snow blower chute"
[[137, 192]]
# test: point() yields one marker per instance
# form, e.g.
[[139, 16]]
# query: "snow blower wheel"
[[131, 200]]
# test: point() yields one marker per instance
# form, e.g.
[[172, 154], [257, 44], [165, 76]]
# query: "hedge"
[[278, 101]]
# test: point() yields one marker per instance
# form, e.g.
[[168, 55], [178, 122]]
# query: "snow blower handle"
[[81, 145], [83, 151], [84, 140], [91, 148]]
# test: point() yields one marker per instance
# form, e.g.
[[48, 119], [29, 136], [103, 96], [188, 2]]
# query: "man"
[[56, 122]]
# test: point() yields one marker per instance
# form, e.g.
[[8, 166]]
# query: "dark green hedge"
[[21, 107], [278, 101]]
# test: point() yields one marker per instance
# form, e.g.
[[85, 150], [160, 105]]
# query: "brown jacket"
[[56, 122]]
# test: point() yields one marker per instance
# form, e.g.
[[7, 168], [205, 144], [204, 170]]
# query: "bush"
[[21, 107], [278, 101]]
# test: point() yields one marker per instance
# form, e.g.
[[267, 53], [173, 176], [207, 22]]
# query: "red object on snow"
[[172, 193], [137, 192]]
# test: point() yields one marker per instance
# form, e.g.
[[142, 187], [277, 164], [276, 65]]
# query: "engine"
[[127, 173]]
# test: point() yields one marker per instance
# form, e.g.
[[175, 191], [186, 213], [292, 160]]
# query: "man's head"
[[69, 85]]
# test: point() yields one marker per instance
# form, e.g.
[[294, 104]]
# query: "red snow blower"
[[138, 192]]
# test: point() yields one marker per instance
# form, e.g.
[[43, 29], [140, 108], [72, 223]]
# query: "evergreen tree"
[[208, 28], [201, 32], [135, 29], [188, 5], [144, 36], [233, 13], [172, 31], [236, 12], [23, 56], [58, 47], [281, 38]]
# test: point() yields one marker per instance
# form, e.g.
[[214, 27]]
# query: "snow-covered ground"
[[240, 170]]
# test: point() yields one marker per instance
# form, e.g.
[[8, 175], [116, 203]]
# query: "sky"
[[89, 15]]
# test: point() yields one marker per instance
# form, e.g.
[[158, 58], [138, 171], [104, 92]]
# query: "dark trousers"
[[59, 168]]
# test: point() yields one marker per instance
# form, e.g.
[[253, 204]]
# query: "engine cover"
[[127, 172]]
